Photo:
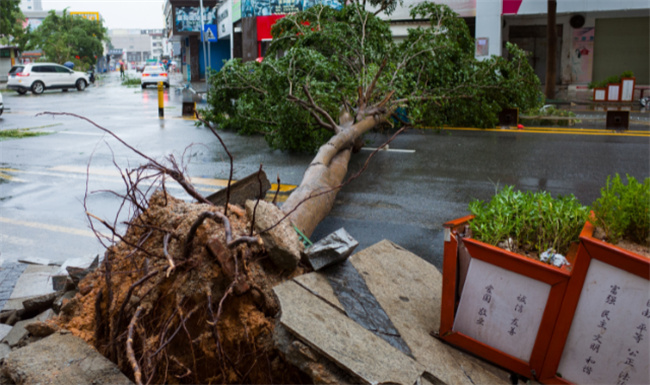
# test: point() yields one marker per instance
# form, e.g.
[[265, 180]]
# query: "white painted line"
[[44, 226], [387, 149]]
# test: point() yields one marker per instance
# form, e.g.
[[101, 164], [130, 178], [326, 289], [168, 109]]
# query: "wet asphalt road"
[[405, 195]]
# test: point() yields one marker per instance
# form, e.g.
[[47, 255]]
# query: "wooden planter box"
[[496, 304], [603, 330]]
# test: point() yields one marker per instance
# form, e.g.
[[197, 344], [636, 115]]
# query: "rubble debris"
[[243, 190], [42, 362], [37, 305], [4, 330], [409, 290], [334, 248], [281, 242]]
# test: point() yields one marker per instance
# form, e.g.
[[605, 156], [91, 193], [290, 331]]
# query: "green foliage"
[[550, 111], [323, 62], [534, 221], [11, 24], [19, 133], [70, 38], [615, 79], [130, 81], [623, 211]]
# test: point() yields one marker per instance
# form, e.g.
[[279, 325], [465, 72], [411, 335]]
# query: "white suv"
[[38, 77]]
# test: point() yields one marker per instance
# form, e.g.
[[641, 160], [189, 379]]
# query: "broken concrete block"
[[40, 329], [338, 338], [282, 241], [10, 272], [409, 290], [4, 330], [35, 281], [59, 302], [243, 190], [61, 359], [17, 334], [320, 369], [37, 305], [334, 248], [35, 261], [4, 350]]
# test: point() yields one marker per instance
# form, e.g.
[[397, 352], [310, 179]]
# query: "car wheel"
[[22, 92], [38, 88], [81, 84], [144, 86], [166, 85]]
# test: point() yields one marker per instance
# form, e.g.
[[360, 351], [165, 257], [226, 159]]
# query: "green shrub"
[[612, 79], [550, 111], [535, 222], [130, 81], [623, 211]]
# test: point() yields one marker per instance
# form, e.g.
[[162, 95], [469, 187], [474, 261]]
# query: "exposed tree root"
[[193, 325]]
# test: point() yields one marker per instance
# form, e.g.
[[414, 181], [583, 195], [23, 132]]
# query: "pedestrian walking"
[[122, 70]]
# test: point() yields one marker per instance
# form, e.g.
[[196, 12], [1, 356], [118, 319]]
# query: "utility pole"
[[551, 40], [205, 52]]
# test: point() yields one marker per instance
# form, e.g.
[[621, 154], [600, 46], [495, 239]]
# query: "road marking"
[[80, 172], [16, 240], [387, 149], [564, 131], [43, 226]]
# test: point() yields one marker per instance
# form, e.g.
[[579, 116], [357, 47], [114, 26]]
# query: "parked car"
[[38, 77], [153, 75], [2, 106]]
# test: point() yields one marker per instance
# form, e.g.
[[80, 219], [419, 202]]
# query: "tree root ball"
[[166, 314]]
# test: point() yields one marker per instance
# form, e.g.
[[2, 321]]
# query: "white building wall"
[[488, 25]]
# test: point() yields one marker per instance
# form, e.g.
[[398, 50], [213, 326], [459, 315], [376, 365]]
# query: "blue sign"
[[209, 33]]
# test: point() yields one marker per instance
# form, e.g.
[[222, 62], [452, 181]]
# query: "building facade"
[[596, 38]]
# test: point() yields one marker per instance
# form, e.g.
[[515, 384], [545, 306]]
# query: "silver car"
[[151, 75], [38, 77]]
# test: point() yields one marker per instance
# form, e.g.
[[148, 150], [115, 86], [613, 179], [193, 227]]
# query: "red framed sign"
[[627, 89], [600, 94], [613, 92], [497, 304], [602, 334]]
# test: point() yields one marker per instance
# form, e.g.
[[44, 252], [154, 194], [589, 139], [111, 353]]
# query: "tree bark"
[[551, 39], [327, 171]]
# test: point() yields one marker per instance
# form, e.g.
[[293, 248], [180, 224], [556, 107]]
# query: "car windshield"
[[153, 69], [16, 69]]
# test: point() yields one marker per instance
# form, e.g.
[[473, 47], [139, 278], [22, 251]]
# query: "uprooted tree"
[[185, 295], [330, 76]]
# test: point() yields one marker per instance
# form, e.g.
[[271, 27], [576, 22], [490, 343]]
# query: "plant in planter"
[[622, 213], [607, 295], [499, 304], [528, 223]]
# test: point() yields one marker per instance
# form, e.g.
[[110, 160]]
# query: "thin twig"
[[277, 191], [225, 207], [257, 202], [129, 347]]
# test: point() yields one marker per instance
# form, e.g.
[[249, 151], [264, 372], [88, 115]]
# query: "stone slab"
[[61, 359], [4, 351], [4, 330], [10, 272], [35, 261], [17, 333], [35, 281], [409, 289], [350, 346]]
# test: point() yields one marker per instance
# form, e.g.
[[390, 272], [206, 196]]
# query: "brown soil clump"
[[642, 250], [167, 313]]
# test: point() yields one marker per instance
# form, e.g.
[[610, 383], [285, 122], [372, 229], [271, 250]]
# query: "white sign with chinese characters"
[[609, 340], [501, 308]]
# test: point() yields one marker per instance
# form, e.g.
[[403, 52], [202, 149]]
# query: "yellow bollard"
[[161, 102]]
